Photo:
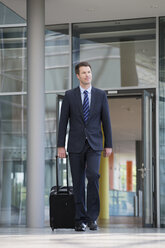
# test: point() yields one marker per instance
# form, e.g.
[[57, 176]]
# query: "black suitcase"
[[61, 202]]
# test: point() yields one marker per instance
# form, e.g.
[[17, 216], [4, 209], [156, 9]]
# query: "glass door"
[[144, 123], [147, 163]]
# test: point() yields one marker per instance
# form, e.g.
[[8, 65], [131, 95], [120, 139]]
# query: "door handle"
[[143, 171]]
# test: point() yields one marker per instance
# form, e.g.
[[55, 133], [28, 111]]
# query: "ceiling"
[[71, 11]]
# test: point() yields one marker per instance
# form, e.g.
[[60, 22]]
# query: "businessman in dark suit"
[[86, 109]]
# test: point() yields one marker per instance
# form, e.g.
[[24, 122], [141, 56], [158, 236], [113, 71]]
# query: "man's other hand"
[[61, 152], [107, 152]]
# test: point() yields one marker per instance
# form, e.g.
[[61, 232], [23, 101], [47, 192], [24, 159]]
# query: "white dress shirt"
[[82, 94]]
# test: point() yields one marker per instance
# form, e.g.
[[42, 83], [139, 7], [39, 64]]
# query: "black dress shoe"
[[80, 227], [92, 225]]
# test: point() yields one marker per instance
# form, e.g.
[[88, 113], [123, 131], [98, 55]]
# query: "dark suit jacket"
[[99, 113]]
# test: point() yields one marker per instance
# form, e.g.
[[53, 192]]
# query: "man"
[[86, 108]]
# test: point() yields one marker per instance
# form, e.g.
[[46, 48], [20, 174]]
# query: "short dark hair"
[[80, 65]]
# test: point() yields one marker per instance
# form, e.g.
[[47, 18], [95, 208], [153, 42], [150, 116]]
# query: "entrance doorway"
[[132, 167], [132, 164]]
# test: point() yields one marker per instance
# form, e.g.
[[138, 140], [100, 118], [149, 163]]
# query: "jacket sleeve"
[[64, 117], [106, 123]]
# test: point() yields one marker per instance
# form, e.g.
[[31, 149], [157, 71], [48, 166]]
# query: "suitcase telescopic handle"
[[67, 173]]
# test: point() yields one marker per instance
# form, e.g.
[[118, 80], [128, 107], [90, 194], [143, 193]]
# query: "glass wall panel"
[[13, 110], [13, 59], [12, 159], [13, 78], [121, 53], [162, 118], [8, 16], [57, 58]]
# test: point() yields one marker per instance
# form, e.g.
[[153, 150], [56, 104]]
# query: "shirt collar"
[[82, 89]]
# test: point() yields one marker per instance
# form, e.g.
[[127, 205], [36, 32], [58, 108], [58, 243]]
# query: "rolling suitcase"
[[61, 202]]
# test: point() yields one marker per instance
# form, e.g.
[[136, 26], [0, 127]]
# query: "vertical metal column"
[[36, 109], [104, 188], [157, 199]]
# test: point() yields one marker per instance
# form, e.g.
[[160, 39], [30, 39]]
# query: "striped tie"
[[86, 106]]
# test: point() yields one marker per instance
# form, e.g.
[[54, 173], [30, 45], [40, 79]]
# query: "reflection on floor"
[[105, 237], [122, 221]]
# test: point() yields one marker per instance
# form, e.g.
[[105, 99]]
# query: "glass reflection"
[[12, 159], [13, 59], [57, 57], [122, 54], [7, 16]]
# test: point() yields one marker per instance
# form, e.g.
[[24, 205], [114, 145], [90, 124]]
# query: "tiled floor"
[[115, 236]]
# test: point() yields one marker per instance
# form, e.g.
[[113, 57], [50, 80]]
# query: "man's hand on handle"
[[61, 152], [107, 152]]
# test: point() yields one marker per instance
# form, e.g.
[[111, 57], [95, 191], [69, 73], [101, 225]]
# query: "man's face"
[[85, 76]]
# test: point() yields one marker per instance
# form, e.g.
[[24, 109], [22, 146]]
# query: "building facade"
[[127, 59]]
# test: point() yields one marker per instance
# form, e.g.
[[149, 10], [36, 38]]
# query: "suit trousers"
[[84, 165]]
